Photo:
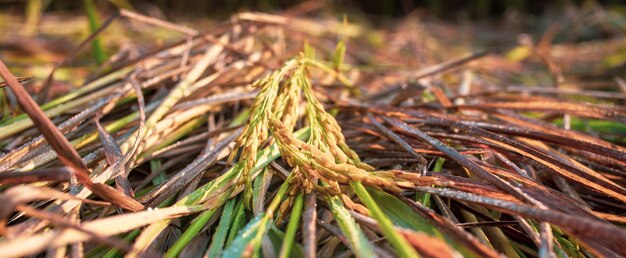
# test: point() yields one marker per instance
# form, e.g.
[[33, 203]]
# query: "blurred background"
[[34, 34], [448, 9]]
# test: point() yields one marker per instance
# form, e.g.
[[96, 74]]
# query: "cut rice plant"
[[267, 137]]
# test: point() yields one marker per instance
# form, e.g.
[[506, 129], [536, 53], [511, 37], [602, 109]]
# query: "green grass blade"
[[292, 227], [338, 56], [239, 221], [248, 240], [424, 198], [94, 23], [277, 238], [402, 215], [402, 247], [155, 164], [196, 225], [359, 244], [112, 253], [221, 232], [245, 236]]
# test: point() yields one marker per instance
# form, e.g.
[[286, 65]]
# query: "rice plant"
[[282, 136]]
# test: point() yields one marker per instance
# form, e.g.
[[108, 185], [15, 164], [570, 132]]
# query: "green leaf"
[[424, 198], [401, 214], [155, 164], [399, 243], [94, 23], [245, 237], [277, 238], [196, 225], [608, 130], [292, 227], [338, 56], [259, 190], [219, 237], [359, 244], [128, 238], [309, 52], [237, 223]]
